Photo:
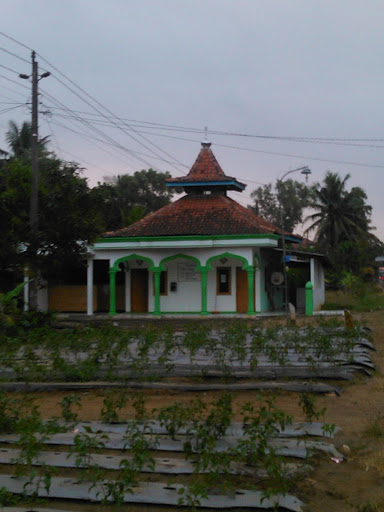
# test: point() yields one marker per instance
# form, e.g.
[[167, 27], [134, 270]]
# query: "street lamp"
[[306, 171]]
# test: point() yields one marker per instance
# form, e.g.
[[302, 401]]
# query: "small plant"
[[67, 404], [84, 444], [307, 401], [192, 495], [7, 499], [173, 418], [260, 425], [111, 404], [138, 403]]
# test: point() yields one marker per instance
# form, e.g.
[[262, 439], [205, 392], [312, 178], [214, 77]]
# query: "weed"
[[307, 402], [113, 402], [67, 404]]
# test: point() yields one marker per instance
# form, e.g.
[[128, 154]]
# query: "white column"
[[312, 269], [90, 286]]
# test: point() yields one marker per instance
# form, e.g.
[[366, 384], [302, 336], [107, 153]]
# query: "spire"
[[206, 173], [206, 143]]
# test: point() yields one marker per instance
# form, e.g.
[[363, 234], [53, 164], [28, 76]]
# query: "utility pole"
[[34, 203], [34, 207]]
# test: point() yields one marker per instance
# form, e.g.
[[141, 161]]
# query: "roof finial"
[[206, 143]]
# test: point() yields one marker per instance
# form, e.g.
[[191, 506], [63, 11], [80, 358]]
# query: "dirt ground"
[[354, 485]]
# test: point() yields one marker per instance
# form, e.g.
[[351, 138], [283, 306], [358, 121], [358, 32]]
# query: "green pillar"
[[156, 273], [309, 299], [112, 291], [251, 289], [203, 272]]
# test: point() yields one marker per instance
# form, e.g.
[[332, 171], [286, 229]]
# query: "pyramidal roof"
[[206, 172], [197, 213]]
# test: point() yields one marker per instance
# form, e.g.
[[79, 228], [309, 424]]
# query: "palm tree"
[[340, 215], [20, 139]]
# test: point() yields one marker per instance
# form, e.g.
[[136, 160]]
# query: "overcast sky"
[[271, 68]]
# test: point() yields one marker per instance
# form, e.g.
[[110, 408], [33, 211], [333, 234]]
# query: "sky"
[[279, 84]]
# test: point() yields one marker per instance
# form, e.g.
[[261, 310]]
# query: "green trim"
[[184, 237], [156, 272], [204, 272], [198, 313], [309, 299], [131, 257], [112, 291], [227, 255], [251, 289]]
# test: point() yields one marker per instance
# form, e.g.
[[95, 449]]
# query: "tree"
[[69, 219], [282, 204], [341, 215], [128, 198], [342, 225], [20, 140]]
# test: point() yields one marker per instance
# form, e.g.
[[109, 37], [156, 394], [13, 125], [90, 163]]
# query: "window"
[[223, 281], [163, 283]]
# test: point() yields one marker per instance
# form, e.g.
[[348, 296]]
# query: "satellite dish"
[[277, 278]]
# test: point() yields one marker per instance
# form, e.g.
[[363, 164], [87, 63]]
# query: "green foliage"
[[261, 424], [7, 499], [113, 402], [125, 199], [282, 204], [67, 403], [370, 299], [8, 306], [342, 225], [84, 444], [69, 218], [307, 402]]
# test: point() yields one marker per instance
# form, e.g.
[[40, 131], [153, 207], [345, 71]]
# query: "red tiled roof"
[[199, 215], [205, 169]]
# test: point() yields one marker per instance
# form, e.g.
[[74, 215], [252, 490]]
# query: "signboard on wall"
[[187, 272]]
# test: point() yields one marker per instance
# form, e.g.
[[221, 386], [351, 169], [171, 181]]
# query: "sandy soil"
[[354, 485]]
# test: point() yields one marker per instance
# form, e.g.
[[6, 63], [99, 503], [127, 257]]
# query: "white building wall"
[[187, 297]]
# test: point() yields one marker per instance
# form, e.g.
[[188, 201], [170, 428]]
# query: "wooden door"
[[139, 290], [241, 290]]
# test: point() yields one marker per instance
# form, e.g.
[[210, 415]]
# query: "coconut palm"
[[340, 215], [20, 139]]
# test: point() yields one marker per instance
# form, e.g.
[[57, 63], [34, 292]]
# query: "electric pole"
[[34, 203], [34, 222]]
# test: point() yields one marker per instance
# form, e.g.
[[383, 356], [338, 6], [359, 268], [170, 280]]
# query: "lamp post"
[[306, 171], [34, 207]]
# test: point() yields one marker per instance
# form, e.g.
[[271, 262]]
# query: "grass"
[[369, 298]]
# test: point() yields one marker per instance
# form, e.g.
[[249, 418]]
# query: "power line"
[[9, 109], [105, 108], [288, 155], [93, 128], [9, 69], [14, 55], [14, 81], [15, 41], [178, 128], [96, 101]]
